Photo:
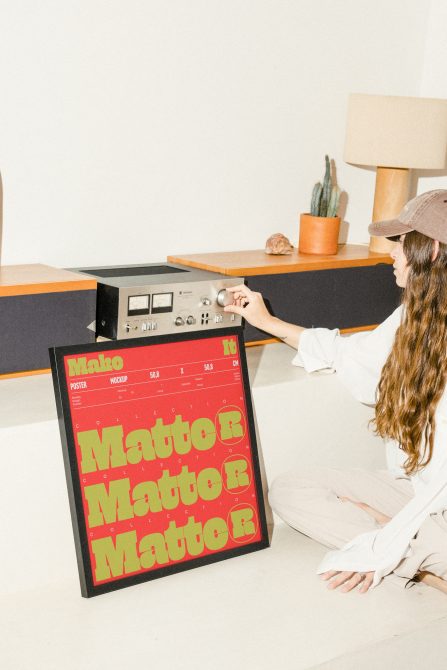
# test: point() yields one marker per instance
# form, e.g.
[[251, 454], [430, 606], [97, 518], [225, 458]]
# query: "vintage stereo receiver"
[[144, 300]]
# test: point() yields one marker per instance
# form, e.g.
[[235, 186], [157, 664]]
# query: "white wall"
[[133, 130], [434, 77]]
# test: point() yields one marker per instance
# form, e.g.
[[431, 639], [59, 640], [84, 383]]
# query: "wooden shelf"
[[42, 307], [38, 278], [257, 262]]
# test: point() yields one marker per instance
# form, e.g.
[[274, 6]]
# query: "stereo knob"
[[224, 298], [179, 321], [190, 320], [206, 302]]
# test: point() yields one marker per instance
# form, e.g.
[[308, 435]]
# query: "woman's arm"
[[358, 358], [251, 306]]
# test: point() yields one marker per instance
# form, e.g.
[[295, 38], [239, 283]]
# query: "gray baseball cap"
[[427, 213]]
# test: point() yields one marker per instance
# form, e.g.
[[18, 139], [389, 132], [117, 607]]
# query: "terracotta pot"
[[319, 234]]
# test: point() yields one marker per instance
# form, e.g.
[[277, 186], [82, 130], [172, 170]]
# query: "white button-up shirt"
[[358, 360]]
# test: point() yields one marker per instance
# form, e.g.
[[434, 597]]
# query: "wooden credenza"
[[42, 307], [352, 290]]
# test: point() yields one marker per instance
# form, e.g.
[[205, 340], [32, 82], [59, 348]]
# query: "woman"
[[392, 521]]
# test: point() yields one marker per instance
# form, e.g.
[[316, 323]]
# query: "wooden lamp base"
[[391, 194]]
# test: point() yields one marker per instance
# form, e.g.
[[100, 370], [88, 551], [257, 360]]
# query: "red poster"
[[160, 455]]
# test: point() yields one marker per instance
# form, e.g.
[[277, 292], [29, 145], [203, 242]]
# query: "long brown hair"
[[414, 375]]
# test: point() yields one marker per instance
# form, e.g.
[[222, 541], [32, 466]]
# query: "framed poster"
[[160, 455]]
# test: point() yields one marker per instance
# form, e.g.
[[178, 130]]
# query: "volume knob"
[[224, 298]]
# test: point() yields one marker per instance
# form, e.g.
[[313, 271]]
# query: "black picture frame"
[[74, 487]]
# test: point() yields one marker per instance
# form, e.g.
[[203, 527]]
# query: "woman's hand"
[[347, 581], [250, 305]]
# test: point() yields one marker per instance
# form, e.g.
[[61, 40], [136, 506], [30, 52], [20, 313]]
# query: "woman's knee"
[[289, 488], [277, 491]]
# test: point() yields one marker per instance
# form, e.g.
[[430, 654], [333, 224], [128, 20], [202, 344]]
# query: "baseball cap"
[[427, 213]]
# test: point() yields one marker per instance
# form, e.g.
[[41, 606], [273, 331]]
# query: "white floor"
[[263, 610]]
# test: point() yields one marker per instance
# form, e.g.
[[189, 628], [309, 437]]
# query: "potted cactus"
[[319, 229]]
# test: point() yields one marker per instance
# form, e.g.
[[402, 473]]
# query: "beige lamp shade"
[[398, 132], [395, 134]]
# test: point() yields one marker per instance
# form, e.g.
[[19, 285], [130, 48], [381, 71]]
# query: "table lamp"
[[395, 134]]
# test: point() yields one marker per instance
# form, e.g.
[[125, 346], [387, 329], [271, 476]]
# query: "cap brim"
[[388, 228]]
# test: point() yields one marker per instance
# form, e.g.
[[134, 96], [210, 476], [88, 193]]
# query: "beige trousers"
[[309, 501]]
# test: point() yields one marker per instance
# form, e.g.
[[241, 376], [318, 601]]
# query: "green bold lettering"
[[77, 366], [161, 436], [139, 445], [101, 453], [168, 487], [93, 366], [188, 486], [108, 506], [176, 542], [230, 426], [117, 363], [105, 364], [236, 473], [215, 533], [229, 347], [203, 434], [209, 483], [147, 498], [153, 550], [181, 435], [241, 520], [194, 537], [114, 559]]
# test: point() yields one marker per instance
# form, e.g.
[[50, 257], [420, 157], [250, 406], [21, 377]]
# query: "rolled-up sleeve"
[[317, 349], [358, 359]]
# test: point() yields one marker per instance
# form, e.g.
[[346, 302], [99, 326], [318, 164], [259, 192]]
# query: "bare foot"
[[432, 580]]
